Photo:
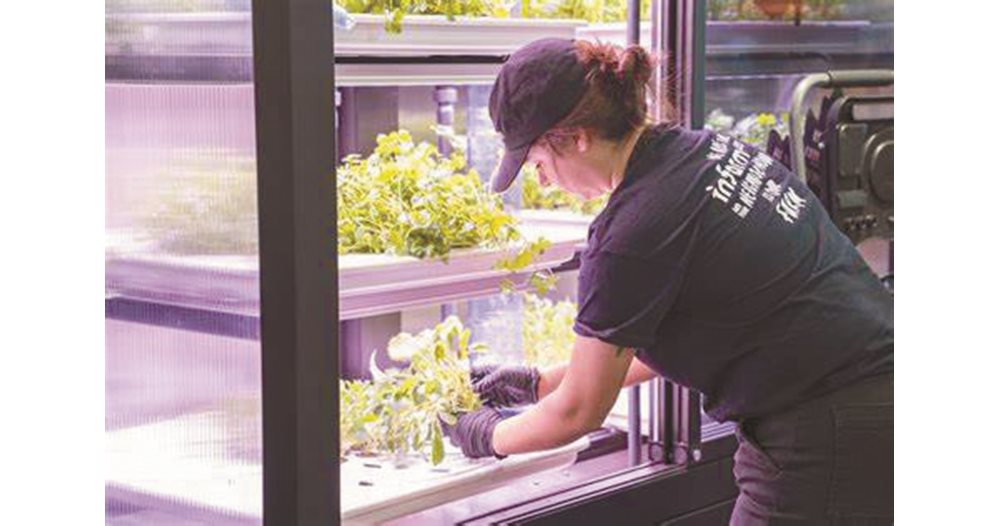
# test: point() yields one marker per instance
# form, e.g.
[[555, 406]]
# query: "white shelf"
[[369, 284], [186, 460], [425, 35], [429, 38], [378, 284], [556, 218], [209, 34], [414, 74], [218, 283], [219, 47], [389, 492]]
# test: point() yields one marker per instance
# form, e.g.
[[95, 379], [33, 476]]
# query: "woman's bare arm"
[[551, 377], [588, 388]]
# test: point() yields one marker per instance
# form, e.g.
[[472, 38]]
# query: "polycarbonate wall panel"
[[182, 366]]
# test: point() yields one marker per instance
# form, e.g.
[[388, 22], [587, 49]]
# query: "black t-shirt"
[[726, 275]]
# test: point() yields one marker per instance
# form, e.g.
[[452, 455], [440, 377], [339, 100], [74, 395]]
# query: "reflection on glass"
[[754, 61], [758, 50], [801, 9]]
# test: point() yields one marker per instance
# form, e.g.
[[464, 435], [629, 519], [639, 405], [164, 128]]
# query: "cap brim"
[[510, 166]]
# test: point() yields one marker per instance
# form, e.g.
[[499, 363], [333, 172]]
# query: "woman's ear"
[[583, 140]]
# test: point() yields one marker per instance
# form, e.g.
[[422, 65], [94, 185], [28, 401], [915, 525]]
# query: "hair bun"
[[636, 65], [615, 101], [601, 59]]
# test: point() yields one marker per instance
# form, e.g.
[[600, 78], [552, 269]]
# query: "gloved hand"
[[506, 386], [474, 432]]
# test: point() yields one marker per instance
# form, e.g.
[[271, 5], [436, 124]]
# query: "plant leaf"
[[437, 446]]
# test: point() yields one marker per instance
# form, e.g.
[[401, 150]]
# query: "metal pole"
[[336, 124], [699, 21], [347, 119], [659, 405], [678, 43], [632, 22], [659, 10], [686, 423], [661, 96], [798, 118], [691, 73], [445, 97], [634, 400], [634, 426]]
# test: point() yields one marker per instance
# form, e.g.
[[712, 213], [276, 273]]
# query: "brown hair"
[[615, 102]]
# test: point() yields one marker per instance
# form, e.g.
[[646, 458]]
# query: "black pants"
[[826, 461]]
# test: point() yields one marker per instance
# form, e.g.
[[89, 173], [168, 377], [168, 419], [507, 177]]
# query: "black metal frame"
[[296, 203], [635, 496], [632, 25], [683, 40]]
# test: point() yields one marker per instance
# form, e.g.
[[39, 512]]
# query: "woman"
[[716, 268]]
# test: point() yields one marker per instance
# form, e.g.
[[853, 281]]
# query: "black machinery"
[[845, 155]]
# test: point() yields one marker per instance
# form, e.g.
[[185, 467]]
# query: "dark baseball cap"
[[537, 87]]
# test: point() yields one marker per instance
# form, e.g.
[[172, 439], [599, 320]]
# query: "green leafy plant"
[[547, 333], [525, 256], [398, 411], [538, 197], [750, 10], [594, 11], [396, 10], [752, 129], [541, 281], [407, 199]]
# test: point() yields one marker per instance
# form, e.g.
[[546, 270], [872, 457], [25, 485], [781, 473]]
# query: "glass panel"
[[753, 64], [182, 410], [754, 61]]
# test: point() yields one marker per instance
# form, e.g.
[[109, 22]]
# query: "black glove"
[[506, 386], [474, 432]]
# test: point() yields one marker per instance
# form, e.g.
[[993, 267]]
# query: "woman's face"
[[570, 169]]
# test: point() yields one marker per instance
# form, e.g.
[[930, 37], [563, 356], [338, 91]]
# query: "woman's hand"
[[473, 432], [506, 386], [582, 400]]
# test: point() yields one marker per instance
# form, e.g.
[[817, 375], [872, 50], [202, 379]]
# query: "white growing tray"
[[230, 34], [378, 284], [369, 284], [391, 492], [185, 459], [556, 218], [424, 35]]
